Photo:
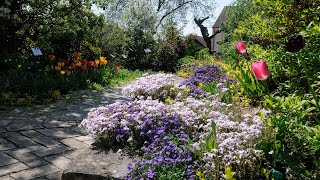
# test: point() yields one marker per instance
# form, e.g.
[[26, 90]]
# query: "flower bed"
[[185, 138]]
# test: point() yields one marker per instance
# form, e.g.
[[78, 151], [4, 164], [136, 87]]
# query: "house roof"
[[201, 40], [222, 17]]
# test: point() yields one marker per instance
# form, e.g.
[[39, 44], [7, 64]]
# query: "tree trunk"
[[205, 33]]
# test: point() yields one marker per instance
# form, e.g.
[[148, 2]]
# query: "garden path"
[[38, 142]]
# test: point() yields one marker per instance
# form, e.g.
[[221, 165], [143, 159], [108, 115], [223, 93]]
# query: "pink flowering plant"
[[252, 78]]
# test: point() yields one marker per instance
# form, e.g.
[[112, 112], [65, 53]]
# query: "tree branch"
[[160, 4], [205, 33], [172, 11], [200, 21], [215, 33]]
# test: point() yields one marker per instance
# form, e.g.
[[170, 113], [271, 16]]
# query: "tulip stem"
[[309, 83]]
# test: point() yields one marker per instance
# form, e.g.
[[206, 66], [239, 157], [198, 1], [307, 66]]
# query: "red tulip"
[[241, 47], [51, 57], [260, 70], [67, 62], [84, 62], [91, 63], [118, 67]]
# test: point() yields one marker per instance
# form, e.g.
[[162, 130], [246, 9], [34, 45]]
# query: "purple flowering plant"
[[205, 75], [172, 138]]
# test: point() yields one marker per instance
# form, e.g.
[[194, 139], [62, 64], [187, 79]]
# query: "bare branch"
[[200, 21], [160, 4], [205, 33], [215, 33], [172, 11]]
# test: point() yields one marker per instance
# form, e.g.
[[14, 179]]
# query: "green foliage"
[[252, 88], [175, 172], [228, 174], [204, 54], [124, 76], [210, 88], [295, 139], [170, 49], [291, 142], [211, 140]]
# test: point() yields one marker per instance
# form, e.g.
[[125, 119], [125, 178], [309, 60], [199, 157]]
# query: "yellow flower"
[[58, 68], [78, 64], [97, 62], [62, 72], [60, 64], [103, 61]]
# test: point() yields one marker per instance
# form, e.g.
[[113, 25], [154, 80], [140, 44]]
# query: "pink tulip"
[[241, 47], [260, 70]]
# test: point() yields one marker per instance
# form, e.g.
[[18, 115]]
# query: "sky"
[[191, 27]]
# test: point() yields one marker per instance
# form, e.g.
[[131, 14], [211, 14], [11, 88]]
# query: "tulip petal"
[[260, 70]]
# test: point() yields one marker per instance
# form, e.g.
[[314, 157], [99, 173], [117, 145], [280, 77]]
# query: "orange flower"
[[118, 68], [72, 65], [51, 57], [76, 54]]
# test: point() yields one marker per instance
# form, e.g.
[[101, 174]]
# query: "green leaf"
[[277, 175]]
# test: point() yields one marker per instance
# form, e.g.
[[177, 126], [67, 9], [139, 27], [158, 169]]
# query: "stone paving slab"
[[19, 140], [5, 170], [2, 130], [7, 178], [40, 138], [58, 160], [29, 159], [38, 142], [74, 143], [5, 145], [5, 122], [35, 172], [54, 176], [6, 160], [52, 151], [26, 149]]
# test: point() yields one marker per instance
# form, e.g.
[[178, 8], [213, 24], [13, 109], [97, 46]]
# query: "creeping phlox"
[[172, 136], [157, 86]]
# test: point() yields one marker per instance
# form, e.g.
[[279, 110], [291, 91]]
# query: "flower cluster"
[[167, 147], [236, 133], [171, 137], [157, 86], [77, 63], [121, 121], [203, 75]]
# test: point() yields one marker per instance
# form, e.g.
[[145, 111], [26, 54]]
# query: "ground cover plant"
[[181, 136]]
